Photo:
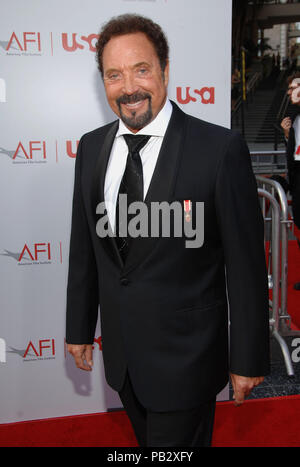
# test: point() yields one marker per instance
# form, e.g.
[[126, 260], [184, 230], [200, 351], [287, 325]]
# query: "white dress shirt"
[[149, 154], [296, 127]]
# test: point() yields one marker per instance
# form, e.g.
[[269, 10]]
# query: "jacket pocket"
[[201, 308]]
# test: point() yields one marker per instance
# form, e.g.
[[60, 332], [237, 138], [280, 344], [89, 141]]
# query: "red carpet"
[[270, 422]]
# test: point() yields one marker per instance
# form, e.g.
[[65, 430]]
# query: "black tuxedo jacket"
[[294, 171], [164, 313]]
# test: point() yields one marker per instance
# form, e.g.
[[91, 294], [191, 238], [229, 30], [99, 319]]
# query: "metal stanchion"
[[277, 256], [275, 260], [278, 192]]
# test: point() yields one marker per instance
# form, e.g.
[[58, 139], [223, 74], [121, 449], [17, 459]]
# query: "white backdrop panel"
[[50, 94]]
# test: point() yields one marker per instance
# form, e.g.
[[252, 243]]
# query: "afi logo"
[[206, 95], [2, 351], [22, 42], [35, 252], [32, 148], [73, 42], [41, 347]]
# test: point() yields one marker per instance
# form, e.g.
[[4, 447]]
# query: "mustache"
[[133, 98]]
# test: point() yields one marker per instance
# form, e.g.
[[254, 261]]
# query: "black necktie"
[[132, 185]]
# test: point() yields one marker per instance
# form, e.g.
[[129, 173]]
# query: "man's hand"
[[83, 355], [242, 386], [286, 125]]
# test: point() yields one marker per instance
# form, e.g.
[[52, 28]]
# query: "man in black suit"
[[291, 128], [163, 302]]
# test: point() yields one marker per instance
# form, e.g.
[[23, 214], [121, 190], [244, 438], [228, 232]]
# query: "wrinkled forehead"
[[129, 49]]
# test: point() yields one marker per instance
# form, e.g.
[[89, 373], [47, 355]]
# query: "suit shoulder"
[[99, 132], [215, 136], [211, 129]]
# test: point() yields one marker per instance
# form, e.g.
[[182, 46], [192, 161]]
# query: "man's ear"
[[166, 73]]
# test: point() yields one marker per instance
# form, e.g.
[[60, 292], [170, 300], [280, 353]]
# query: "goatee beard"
[[135, 122]]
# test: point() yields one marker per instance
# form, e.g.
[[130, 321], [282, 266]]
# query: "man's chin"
[[136, 121]]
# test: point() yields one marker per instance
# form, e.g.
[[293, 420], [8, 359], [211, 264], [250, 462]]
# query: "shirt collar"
[[157, 127]]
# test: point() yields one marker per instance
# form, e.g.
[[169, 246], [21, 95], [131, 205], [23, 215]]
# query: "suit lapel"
[[98, 190], [160, 189], [162, 183]]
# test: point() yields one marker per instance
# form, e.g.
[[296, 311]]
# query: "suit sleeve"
[[82, 289], [242, 232]]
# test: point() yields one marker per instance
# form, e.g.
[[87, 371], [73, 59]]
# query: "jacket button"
[[124, 281]]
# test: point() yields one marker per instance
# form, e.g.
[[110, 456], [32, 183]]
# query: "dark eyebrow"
[[110, 70], [142, 64]]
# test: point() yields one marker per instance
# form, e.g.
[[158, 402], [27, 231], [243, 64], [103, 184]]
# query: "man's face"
[[135, 85], [294, 91]]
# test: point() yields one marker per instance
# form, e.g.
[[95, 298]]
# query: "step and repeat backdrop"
[[50, 94]]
